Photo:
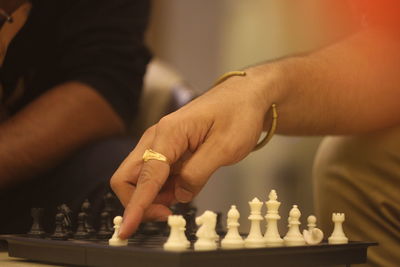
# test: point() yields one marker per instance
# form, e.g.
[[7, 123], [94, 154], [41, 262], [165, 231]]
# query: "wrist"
[[272, 86]]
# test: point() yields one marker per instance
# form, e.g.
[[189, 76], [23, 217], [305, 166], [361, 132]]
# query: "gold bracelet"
[[272, 130]]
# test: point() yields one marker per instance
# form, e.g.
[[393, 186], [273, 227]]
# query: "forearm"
[[51, 128], [351, 87]]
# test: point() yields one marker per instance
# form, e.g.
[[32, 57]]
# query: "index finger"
[[152, 177]]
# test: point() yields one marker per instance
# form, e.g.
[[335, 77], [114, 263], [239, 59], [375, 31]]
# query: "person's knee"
[[359, 176]]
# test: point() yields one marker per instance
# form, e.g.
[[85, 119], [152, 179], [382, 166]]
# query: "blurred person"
[[350, 88], [71, 76]]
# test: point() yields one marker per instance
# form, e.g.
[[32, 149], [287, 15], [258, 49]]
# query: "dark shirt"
[[96, 42]]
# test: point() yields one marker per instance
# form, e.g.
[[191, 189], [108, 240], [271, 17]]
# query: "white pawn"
[[115, 241], [175, 242], [313, 235], [255, 239], [232, 238], [293, 236], [272, 237], [206, 235], [338, 236]]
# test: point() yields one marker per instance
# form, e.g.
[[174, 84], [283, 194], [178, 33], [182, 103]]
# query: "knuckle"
[[150, 130], [164, 123], [230, 152], [167, 124], [190, 178], [115, 183]]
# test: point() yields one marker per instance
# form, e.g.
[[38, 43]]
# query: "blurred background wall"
[[202, 39]]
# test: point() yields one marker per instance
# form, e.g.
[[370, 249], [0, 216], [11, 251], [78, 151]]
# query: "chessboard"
[[147, 250]]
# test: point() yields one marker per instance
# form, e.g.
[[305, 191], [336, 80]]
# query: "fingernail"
[[183, 195]]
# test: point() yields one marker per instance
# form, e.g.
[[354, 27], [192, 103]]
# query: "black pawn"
[[86, 208], [81, 231], [104, 232], [109, 206], [59, 233], [37, 228]]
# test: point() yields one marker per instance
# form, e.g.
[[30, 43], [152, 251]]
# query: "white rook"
[[338, 236]]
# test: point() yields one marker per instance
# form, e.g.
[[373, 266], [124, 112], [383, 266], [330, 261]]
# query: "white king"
[[272, 237]]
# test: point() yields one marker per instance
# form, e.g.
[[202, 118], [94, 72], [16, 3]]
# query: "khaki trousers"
[[360, 176]]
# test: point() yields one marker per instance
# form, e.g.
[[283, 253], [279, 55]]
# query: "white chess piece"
[[115, 241], [293, 236], [272, 237], [206, 239], [313, 235], [232, 238], [255, 238], [338, 236], [175, 240]]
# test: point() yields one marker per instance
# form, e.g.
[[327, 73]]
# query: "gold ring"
[[151, 154]]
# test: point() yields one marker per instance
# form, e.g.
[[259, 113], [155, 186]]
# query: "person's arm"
[[51, 128], [350, 87]]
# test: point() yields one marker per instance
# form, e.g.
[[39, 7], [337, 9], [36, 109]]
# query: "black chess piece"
[[191, 226], [86, 208], [104, 232], [109, 206], [150, 228], [219, 228], [37, 228], [63, 208], [60, 232], [81, 231]]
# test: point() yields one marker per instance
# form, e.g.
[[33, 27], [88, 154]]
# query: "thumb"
[[196, 171]]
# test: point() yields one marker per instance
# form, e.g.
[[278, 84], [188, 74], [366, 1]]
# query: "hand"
[[219, 128]]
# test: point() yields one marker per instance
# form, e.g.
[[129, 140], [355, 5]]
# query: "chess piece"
[[81, 231], [293, 236], [189, 214], [272, 237], [109, 206], [37, 228], [338, 236], [232, 239], [150, 228], [177, 240], [103, 232], [190, 218], [115, 241], [86, 208], [64, 209], [60, 232], [255, 238], [313, 235], [219, 227], [206, 239]]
